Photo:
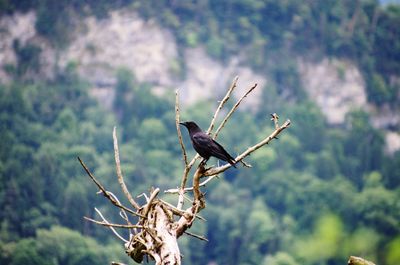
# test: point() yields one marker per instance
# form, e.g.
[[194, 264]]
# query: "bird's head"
[[191, 126]]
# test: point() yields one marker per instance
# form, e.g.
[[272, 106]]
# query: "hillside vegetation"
[[315, 196]]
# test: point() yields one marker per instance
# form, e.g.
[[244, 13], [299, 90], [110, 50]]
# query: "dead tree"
[[158, 224]]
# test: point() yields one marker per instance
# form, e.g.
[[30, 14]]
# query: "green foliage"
[[387, 42], [393, 250], [315, 196], [379, 91], [324, 242], [58, 246], [363, 242], [261, 232], [280, 258]]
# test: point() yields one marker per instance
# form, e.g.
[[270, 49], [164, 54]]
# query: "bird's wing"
[[203, 144], [206, 147], [221, 153], [202, 138]]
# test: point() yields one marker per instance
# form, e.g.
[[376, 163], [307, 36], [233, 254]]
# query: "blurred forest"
[[315, 196]]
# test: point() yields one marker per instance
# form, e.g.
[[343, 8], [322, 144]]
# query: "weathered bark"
[[169, 250]]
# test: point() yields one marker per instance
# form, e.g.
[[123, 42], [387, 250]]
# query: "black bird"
[[205, 146]]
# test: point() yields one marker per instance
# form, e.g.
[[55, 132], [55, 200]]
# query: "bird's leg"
[[203, 162], [201, 166]]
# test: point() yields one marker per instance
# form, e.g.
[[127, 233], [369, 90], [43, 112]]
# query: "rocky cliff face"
[[151, 53], [336, 86], [21, 27]]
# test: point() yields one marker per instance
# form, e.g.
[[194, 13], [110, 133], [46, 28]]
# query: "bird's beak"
[[183, 123]]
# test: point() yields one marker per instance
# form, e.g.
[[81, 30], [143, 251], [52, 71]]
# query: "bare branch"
[[275, 118], [117, 263], [245, 164], [196, 183], [177, 211], [119, 172], [185, 214], [233, 110], [181, 198], [178, 128], [122, 213], [186, 170], [273, 135], [148, 205], [221, 104], [196, 236], [111, 228], [190, 165], [111, 224], [143, 195], [172, 208], [172, 191], [106, 193]]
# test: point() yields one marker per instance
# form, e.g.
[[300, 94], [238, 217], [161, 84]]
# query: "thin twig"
[[124, 216], [245, 164], [186, 171], [233, 110], [275, 118], [178, 128], [172, 208], [190, 165], [117, 263], [111, 228], [221, 104], [179, 212], [148, 205], [122, 213], [119, 172], [196, 236], [172, 191], [111, 224], [106, 193], [143, 195]]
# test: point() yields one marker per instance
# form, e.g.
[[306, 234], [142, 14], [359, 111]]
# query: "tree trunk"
[[169, 250]]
